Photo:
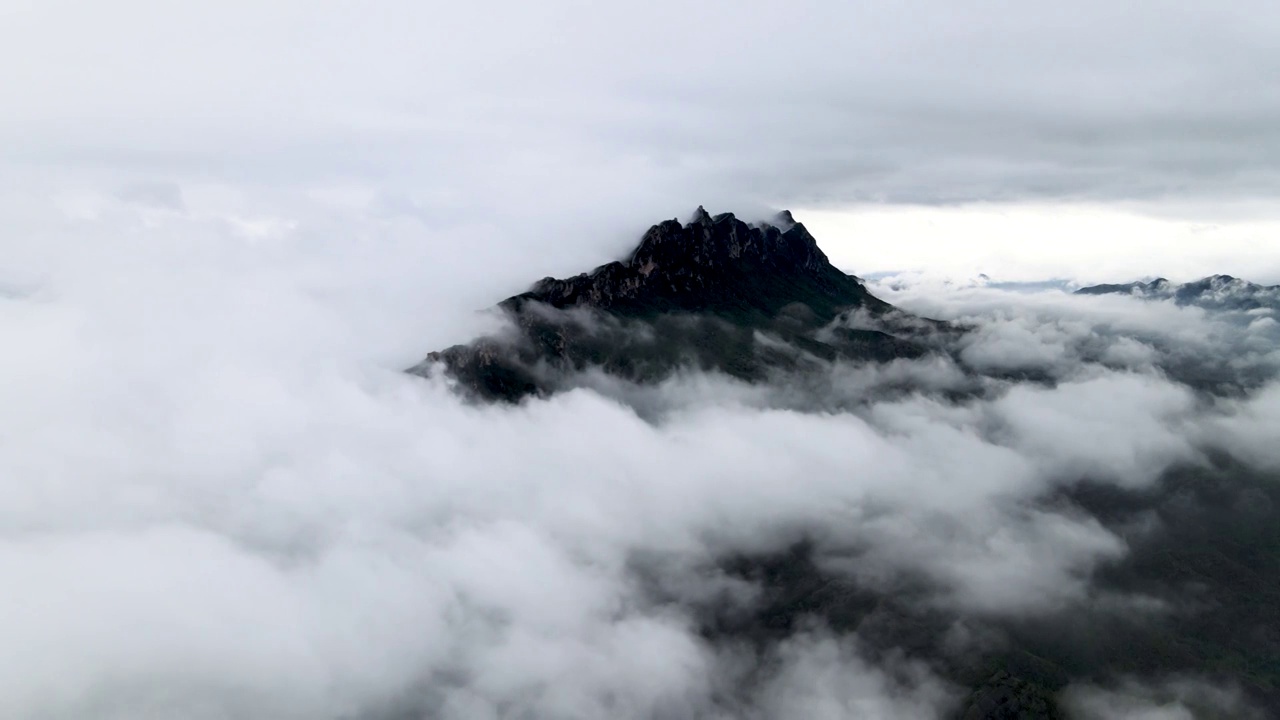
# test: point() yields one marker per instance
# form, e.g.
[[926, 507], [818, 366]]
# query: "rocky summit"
[[712, 264], [714, 294]]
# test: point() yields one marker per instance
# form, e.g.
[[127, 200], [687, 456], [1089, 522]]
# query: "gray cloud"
[[1173, 699], [914, 103], [825, 678]]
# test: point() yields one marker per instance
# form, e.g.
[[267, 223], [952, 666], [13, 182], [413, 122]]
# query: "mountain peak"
[[717, 264], [714, 293]]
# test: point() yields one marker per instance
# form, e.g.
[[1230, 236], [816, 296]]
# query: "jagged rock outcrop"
[[714, 294], [711, 264]]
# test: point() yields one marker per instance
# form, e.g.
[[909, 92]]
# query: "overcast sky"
[[1151, 121]]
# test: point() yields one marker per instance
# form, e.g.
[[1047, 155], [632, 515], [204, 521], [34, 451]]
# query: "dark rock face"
[[713, 294], [1216, 292]]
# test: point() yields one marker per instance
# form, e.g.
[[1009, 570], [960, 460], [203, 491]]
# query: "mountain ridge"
[[1213, 292]]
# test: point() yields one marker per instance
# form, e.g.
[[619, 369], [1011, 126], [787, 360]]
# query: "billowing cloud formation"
[[1177, 699], [221, 498]]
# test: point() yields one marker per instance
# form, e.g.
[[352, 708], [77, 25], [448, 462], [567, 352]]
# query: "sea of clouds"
[[221, 497]]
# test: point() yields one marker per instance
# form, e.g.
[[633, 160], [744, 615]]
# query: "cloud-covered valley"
[[222, 497]]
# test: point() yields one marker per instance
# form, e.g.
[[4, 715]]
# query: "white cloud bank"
[[221, 498]]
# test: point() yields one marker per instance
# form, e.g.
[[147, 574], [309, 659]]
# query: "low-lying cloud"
[[222, 498]]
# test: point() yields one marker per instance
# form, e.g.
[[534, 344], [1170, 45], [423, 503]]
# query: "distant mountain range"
[[1216, 292]]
